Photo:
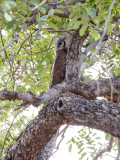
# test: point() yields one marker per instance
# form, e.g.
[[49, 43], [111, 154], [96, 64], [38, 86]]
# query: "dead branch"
[[108, 149]]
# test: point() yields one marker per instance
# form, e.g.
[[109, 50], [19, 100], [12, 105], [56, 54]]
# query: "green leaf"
[[40, 25], [109, 27], [70, 148], [103, 68], [81, 150], [77, 5], [82, 30], [92, 12], [117, 52], [37, 34], [7, 16], [52, 25], [51, 12], [38, 17], [77, 25], [41, 61], [82, 156], [44, 17], [107, 136], [84, 22], [5, 5], [117, 73], [17, 29], [10, 24], [73, 20], [11, 2], [93, 33], [58, 11], [56, 18], [72, 14], [42, 9]]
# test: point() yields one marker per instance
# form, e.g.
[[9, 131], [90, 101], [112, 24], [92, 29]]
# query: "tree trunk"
[[67, 108]]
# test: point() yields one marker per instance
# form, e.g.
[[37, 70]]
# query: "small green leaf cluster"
[[89, 143]]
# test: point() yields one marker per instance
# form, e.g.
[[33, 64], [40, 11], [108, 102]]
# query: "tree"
[[28, 31]]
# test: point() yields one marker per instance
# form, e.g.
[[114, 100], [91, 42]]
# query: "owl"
[[58, 68]]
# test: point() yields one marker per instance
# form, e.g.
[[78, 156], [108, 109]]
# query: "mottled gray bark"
[[46, 152], [73, 56], [91, 90], [67, 108], [36, 135]]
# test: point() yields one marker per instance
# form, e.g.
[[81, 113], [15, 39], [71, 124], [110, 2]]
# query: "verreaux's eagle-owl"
[[58, 68]]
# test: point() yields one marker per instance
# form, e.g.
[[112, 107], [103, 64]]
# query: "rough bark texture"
[[67, 108], [72, 68], [38, 132], [46, 152], [91, 90]]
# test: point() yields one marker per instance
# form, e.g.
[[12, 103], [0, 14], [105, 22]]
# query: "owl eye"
[[60, 43]]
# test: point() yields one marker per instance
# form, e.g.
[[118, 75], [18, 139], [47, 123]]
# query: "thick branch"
[[70, 109], [99, 88], [73, 57]]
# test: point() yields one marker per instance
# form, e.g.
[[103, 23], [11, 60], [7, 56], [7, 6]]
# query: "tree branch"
[[9, 44], [87, 49], [118, 155], [69, 109], [104, 31], [108, 149], [99, 88]]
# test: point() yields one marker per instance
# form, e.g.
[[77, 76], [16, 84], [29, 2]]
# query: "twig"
[[110, 80], [24, 42], [104, 31], [88, 48], [62, 137], [8, 132], [118, 155], [108, 149], [9, 44], [3, 44], [39, 5], [7, 59], [51, 30], [83, 55], [95, 27]]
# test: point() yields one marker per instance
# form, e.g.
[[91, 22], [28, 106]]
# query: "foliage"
[[25, 64], [89, 142]]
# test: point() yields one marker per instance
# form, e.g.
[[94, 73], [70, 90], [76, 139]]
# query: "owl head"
[[60, 44]]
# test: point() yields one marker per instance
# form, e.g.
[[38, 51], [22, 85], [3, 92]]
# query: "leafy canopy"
[[25, 64]]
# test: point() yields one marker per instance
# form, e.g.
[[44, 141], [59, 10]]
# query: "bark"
[[91, 90], [37, 134], [67, 108], [73, 56], [46, 152]]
